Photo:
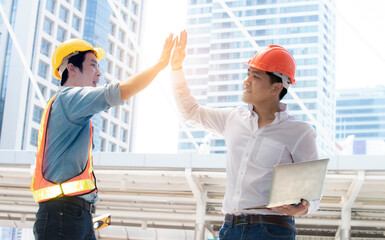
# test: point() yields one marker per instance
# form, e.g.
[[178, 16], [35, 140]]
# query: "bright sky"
[[360, 50], [157, 120], [360, 54]]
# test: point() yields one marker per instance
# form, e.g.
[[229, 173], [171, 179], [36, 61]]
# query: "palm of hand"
[[179, 52], [166, 53], [177, 58]]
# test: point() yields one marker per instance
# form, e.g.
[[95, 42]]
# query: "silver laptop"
[[293, 182]]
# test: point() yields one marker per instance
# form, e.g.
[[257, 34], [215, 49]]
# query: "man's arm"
[[136, 83], [297, 210], [210, 119]]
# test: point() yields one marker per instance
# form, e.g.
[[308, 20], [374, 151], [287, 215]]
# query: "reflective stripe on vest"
[[43, 189]]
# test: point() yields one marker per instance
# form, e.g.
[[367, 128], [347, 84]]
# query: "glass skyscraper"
[[40, 26], [217, 47], [361, 112]]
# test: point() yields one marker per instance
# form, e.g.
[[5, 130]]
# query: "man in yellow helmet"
[[64, 184], [257, 138]]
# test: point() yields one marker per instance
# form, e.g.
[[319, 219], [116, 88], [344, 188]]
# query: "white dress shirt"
[[251, 151]]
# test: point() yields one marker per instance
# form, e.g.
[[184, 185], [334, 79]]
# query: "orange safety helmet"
[[70, 48], [277, 60]]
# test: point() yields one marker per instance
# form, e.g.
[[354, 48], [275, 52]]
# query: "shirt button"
[[253, 136], [238, 192], [235, 209], [246, 154], [241, 173]]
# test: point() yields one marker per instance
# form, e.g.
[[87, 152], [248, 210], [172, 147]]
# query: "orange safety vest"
[[43, 189]]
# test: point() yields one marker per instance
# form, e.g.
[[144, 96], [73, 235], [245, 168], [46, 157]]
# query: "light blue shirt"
[[68, 134]]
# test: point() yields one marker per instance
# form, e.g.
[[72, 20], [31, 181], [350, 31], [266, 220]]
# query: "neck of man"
[[266, 112], [71, 83]]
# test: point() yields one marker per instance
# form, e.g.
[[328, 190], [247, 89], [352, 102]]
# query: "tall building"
[[217, 47], [7, 233], [361, 112], [40, 26]]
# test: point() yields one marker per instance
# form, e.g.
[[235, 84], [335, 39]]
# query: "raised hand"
[[179, 52], [166, 53]]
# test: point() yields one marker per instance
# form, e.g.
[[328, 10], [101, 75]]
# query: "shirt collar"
[[279, 116]]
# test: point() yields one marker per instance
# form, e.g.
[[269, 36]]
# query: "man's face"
[[89, 77], [256, 87]]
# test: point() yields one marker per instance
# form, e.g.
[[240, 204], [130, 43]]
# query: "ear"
[[277, 88], [70, 69]]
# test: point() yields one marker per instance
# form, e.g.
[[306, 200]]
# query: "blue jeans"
[[230, 231], [62, 220]]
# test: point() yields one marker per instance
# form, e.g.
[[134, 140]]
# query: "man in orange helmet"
[[64, 183], [257, 138]]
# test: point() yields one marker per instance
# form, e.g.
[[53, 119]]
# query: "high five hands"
[[166, 53], [179, 51]]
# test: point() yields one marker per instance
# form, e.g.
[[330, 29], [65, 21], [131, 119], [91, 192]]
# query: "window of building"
[[112, 29], [78, 4], [37, 113], [122, 149], [113, 128], [43, 69], [63, 14], [102, 145], [55, 81], [76, 23], [120, 54], [104, 125], [123, 135], [133, 25], [42, 90], [129, 61], [124, 16], [109, 66], [130, 45], [61, 34], [114, 112], [134, 8], [50, 6], [118, 73], [112, 147], [186, 145], [45, 48], [111, 48], [33, 140], [122, 35], [47, 26], [124, 117], [52, 93]]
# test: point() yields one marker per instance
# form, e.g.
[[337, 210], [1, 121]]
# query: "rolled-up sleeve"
[[313, 206], [113, 95], [81, 103]]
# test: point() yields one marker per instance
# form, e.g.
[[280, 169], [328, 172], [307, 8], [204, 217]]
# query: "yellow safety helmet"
[[70, 48]]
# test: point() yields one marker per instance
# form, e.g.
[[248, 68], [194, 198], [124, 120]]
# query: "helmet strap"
[[285, 79], [64, 63]]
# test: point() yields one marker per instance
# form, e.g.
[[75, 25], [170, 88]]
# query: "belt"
[[89, 207], [262, 219]]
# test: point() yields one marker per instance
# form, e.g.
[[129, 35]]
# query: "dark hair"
[[77, 61], [276, 79]]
